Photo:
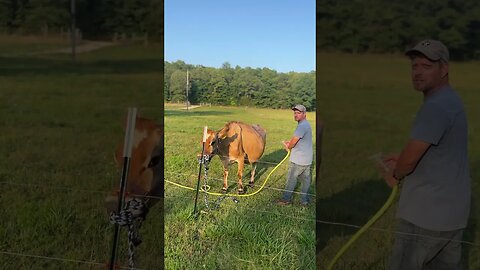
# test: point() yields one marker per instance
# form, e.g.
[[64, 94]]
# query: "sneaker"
[[283, 202]]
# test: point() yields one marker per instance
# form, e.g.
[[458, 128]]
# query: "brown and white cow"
[[146, 165], [236, 142]]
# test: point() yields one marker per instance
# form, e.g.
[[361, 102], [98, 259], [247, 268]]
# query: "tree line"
[[236, 86], [96, 19], [393, 26]]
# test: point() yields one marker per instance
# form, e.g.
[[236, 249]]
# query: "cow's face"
[[217, 142], [146, 164], [210, 143]]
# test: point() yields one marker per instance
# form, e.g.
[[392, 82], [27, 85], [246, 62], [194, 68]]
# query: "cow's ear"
[[222, 134], [226, 127]]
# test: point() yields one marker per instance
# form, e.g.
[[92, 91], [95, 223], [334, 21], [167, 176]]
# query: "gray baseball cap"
[[432, 49], [300, 108]]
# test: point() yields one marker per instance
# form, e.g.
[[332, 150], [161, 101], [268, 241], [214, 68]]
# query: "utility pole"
[[188, 85], [73, 30]]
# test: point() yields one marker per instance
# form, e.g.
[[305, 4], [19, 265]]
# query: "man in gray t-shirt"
[[435, 198], [301, 157]]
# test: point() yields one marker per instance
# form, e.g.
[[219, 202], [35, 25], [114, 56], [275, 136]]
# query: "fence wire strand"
[[267, 187], [253, 209], [348, 225], [60, 259], [318, 221]]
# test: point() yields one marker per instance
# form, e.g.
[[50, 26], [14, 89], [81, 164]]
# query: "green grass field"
[[368, 104], [252, 234], [60, 123]]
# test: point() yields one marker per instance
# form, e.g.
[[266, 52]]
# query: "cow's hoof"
[[251, 184], [241, 191], [224, 190]]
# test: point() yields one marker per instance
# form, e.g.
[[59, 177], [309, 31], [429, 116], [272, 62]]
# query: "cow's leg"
[[240, 174], [225, 177], [252, 178]]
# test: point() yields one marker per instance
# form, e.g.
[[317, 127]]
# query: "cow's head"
[[217, 141], [146, 165], [211, 147]]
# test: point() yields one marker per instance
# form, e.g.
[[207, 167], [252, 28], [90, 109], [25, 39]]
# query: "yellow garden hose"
[[365, 227], [238, 195]]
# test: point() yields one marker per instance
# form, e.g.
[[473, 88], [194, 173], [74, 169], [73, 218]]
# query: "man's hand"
[[390, 161], [286, 144], [386, 166], [390, 180]]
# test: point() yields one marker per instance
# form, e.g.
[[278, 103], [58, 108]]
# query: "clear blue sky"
[[278, 34]]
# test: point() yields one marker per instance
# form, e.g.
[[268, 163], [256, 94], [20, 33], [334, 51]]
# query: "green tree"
[[7, 15], [42, 15], [260, 87], [392, 26]]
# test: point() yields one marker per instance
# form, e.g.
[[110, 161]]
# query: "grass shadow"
[[268, 162], [58, 67], [193, 113], [354, 205], [265, 165]]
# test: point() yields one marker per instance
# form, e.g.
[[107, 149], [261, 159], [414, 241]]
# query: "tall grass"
[[368, 104], [254, 233]]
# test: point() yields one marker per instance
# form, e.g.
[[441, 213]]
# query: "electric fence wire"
[[60, 259], [349, 225], [253, 209], [266, 187], [326, 222]]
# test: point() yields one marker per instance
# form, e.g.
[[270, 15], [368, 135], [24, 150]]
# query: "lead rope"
[[206, 161], [132, 216]]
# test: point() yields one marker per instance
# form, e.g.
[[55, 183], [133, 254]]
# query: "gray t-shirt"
[[302, 153], [436, 195]]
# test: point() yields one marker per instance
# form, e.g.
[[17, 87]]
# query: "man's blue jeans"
[[295, 172], [416, 248]]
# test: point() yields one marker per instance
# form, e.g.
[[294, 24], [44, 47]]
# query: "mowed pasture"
[[13, 45], [254, 233], [368, 104], [60, 123]]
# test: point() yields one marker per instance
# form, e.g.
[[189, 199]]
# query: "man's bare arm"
[[290, 144], [409, 158]]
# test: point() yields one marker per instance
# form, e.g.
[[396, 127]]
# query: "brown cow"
[[239, 142], [146, 165]]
